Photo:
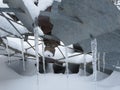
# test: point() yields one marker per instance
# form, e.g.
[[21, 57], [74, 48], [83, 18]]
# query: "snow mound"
[[5, 72], [112, 81]]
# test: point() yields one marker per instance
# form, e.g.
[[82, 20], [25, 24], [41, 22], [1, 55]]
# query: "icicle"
[[66, 61], [104, 61], [43, 56], [99, 61], [36, 48], [94, 55], [23, 50], [84, 64], [8, 53]]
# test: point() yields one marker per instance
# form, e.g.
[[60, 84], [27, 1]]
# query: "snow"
[[48, 53], [79, 59], [42, 5], [13, 77], [15, 43], [8, 27], [11, 80], [3, 5], [112, 81]]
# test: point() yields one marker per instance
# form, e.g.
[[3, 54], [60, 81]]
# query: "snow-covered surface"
[[3, 5], [48, 53], [12, 76], [15, 43], [10, 80], [79, 59], [9, 28]]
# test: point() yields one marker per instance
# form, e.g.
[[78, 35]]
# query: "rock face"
[[77, 20]]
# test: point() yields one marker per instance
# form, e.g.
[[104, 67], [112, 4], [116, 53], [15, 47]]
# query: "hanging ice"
[[104, 61], [66, 60], [23, 50], [94, 55], [36, 48], [84, 64], [43, 56], [99, 61], [7, 50]]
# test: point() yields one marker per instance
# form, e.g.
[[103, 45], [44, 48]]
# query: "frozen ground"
[[10, 80]]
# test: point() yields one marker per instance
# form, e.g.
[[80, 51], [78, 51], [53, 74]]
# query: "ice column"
[[104, 61], [94, 55], [36, 48], [23, 50], [43, 56], [99, 61], [84, 57], [66, 60], [7, 50]]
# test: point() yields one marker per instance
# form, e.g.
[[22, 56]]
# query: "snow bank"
[[112, 81], [5, 72], [53, 81]]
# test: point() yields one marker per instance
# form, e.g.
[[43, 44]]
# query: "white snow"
[[8, 27], [79, 59], [3, 5], [10, 80], [48, 54], [13, 77]]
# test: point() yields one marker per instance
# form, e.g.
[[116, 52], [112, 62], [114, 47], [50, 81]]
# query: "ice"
[[7, 50], [84, 65], [99, 61], [36, 48], [37, 55], [40, 32], [66, 60], [94, 55], [43, 56], [23, 50], [104, 61]]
